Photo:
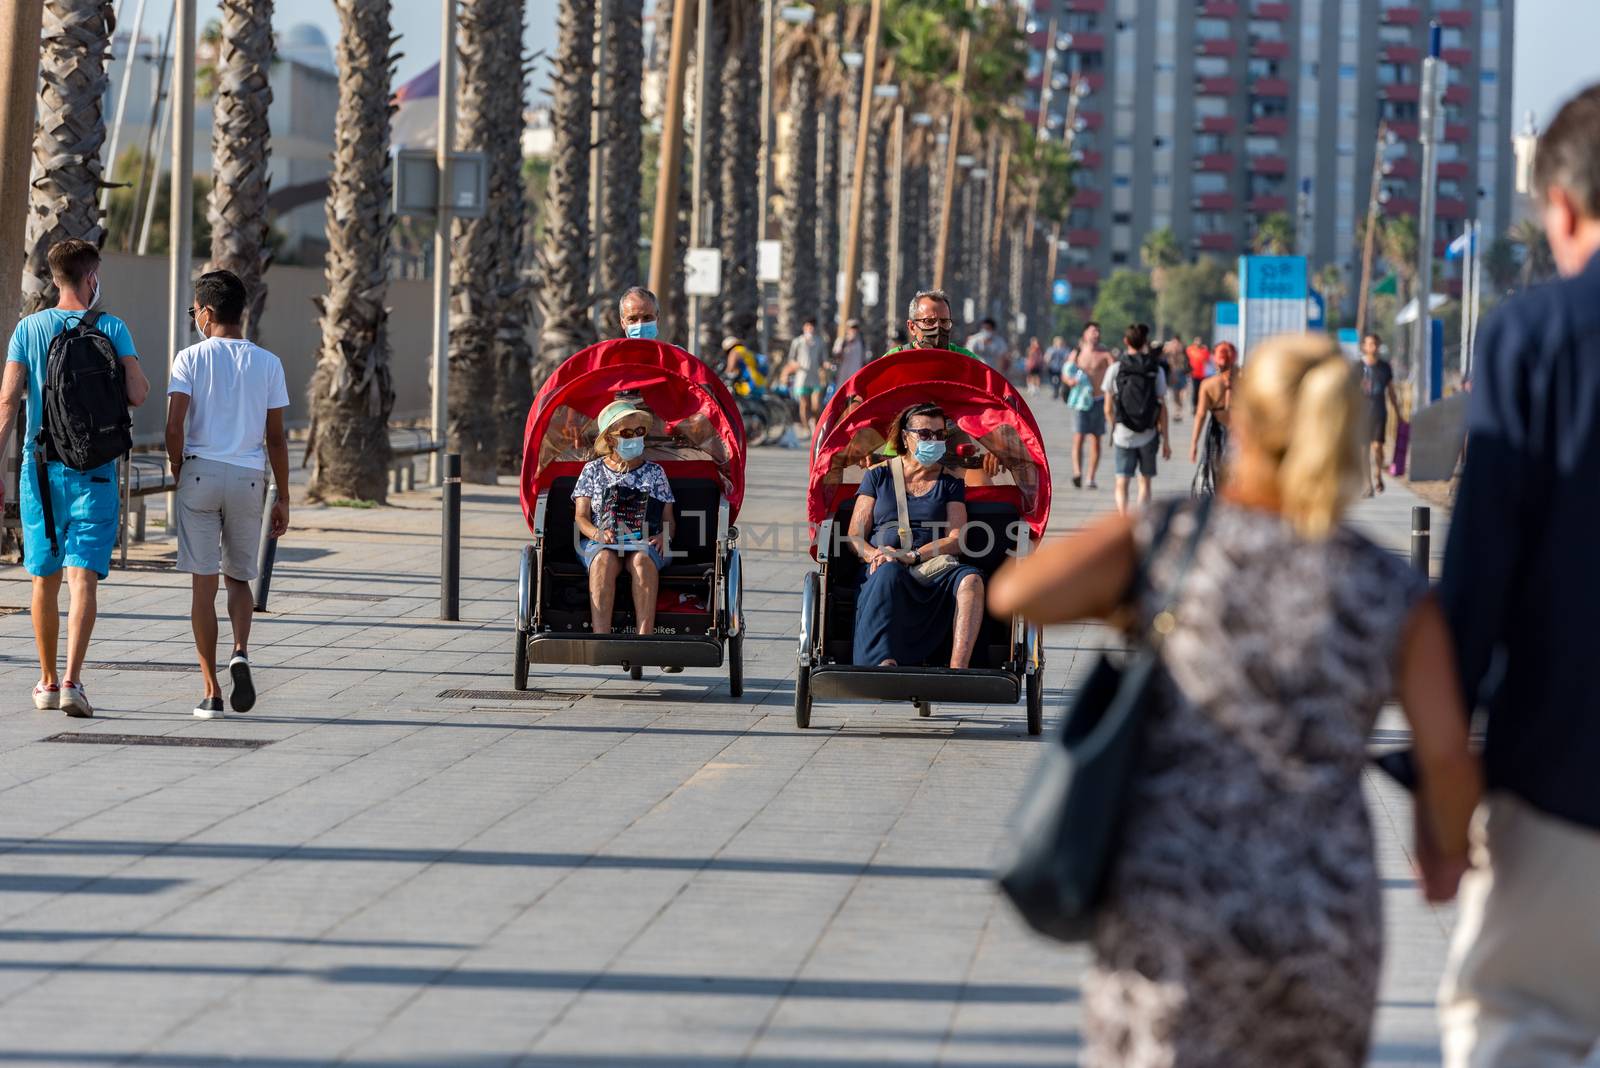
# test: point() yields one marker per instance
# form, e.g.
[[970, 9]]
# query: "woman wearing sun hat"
[[623, 505]]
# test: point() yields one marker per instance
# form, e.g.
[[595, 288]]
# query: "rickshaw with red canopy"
[[698, 439], [1008, 505]]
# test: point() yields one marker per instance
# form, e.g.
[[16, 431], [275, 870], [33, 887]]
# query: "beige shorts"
[[219, 518]]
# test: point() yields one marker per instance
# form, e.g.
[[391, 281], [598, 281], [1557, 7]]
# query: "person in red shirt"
[[1199, 369]]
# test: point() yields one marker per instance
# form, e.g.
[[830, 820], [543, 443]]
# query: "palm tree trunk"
[[241, 144], [65, 191], [565, 296], [797, 290], [740, 216], [709, 343], [826, 234], [1016, 291], [351, 390], [624, 123], [508, 203], [875, 231]]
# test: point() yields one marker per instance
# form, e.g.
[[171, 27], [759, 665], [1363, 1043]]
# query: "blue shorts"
[[1092, 421], [1140, 460], [86, 507], [588, 549]]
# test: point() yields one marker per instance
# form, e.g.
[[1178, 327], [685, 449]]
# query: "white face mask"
[[95, 299]]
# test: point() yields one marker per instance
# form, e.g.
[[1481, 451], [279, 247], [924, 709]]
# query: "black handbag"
[[1066, 824]]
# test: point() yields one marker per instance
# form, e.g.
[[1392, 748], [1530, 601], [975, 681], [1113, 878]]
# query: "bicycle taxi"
[[695, 434], [995, 437]]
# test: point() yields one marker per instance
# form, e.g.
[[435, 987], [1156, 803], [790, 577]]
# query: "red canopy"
[[853, 427], [697, 419]]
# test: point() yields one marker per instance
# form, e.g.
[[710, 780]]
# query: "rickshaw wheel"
[[636, 673], [802, 698], [924, 708], [736, 666], [1036, 702], [519, 663]]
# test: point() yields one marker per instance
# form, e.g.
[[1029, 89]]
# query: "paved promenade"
[[420, 866]]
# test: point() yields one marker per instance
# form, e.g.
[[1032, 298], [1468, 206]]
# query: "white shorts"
[[219, 518]]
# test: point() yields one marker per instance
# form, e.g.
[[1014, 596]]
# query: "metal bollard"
[[1421, 538], [450, 537], [266, 552]]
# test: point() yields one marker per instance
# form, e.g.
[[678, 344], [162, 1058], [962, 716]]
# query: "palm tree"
[[1330, 282], [1158, 252], [564, 296], [624, 123], [1537, 262], [351, 390], [739, 217], [1274, 235], [63, 198], [833, 82], [484, 266], [508, 204], [797, 66], [241, 143], [1397, 241]]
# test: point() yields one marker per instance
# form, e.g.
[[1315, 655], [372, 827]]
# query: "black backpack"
[[85, 421], [1138, 406]]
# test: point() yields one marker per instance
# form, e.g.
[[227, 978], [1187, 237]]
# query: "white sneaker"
[[208, 708], [74, 702], [47, 698]]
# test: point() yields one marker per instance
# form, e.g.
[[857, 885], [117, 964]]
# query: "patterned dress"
[[1241, 926]]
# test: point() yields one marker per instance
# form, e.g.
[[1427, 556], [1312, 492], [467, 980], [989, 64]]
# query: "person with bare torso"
[[1213, 412], [1083, 376]]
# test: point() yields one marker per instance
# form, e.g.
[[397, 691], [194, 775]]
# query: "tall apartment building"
[[1207, 116]]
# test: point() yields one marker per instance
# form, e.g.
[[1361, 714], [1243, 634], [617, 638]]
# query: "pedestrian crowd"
[[1238, 921]]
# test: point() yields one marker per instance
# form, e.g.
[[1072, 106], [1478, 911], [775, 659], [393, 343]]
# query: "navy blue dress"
[[897, 617]]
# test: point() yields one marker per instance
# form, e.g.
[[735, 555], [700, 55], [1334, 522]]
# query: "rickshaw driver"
[[615, 501]]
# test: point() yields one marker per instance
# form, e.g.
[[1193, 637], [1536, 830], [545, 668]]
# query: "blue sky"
[[1555, 40]]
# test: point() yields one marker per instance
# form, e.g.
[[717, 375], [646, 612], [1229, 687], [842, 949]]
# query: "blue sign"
[[1227, 314], [1061, 291], [1274, 277], [1316, 311], [1436, 359]]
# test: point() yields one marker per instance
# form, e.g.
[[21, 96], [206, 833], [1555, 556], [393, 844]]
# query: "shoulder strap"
[[88, 320], [902, 513]]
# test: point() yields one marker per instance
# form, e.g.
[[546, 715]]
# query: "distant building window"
[[1488, 77], [1119, 258], [1121, 217], [1122, 181]]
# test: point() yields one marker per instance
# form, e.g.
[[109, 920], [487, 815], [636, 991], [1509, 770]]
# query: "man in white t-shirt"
[[1136, 390], [224, 424]]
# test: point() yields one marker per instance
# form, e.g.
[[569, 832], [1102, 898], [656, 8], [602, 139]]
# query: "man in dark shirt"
[[1377, 384], [1521, 587]]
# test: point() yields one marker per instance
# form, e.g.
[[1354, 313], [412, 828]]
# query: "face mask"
[[929, 452], [96, 298], [646, 331], [932, 339], [630, 448]]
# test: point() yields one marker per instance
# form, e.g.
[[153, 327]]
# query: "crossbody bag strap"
[[1163, 622], [902, 513]]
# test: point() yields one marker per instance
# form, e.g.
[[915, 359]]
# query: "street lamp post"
[[858, 184], [441, 242], [662, 242], [947, 190], [1430, 116], [698, 216], [180, 220]]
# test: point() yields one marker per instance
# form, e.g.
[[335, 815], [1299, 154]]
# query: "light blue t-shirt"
[[30, 345]]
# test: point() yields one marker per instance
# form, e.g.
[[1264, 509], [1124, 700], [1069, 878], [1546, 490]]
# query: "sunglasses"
[[632, 432], [934, 324], [927, 433]]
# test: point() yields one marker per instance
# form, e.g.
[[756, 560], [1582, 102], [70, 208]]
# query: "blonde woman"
[[1241, 922], [623, 506]]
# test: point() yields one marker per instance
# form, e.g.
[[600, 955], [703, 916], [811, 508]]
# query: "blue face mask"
[[928, 452], [630, 448], [646, 331]]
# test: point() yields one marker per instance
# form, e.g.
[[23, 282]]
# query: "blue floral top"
[[628, 500]]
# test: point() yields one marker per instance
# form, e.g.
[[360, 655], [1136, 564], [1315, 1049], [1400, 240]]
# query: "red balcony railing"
[[1451, 208], [1270, 87], [1082, 276], [1266, 204], [1265, 10], [1453, 169], [1094, 82], [1270, 126], [1401, 93], [1457, 132], [1405, 131], [1091, 159], [1269, 165], [1460, 18], [1402, 16], [1220, 9], [1456, 57], [1223, 86], [1402, 54], [1092, 120], [1214, 202], [1218, 124], [1084, 238], [1404, 167], [1219, 46], [1270, 49], [1088, 42], [1400, 206], [1091, 6], [1214, 161], [1086, 198], [1457, 94], [1217, 242]]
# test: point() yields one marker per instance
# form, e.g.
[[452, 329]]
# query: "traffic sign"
[[1316, 311], [769, 261], [869, 289], [702, 272], [1061, 291]]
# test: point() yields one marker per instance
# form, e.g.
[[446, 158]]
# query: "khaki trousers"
[[1522, 988]]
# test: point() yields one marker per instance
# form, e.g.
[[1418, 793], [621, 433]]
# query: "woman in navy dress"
[[900, 620]]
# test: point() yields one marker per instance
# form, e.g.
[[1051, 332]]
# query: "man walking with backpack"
[[225, 408], [80, 374], [1136, 388]]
